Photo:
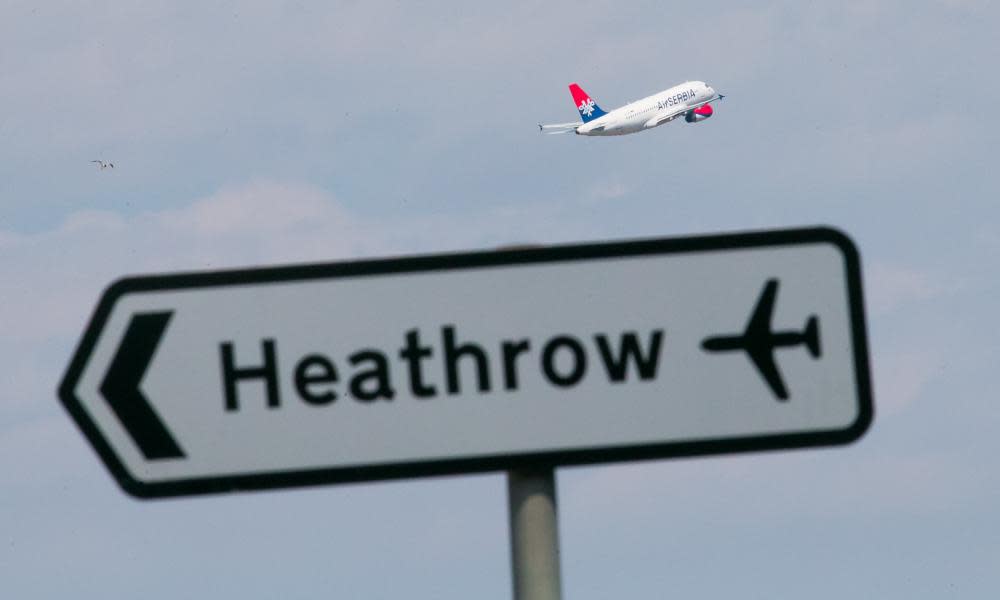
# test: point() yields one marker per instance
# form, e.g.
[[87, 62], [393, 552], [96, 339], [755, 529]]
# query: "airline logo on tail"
[[589, 110]]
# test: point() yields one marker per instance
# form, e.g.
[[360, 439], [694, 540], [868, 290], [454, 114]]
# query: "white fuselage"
[[649, 112]]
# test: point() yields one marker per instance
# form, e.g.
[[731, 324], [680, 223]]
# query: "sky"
[[262, 133]]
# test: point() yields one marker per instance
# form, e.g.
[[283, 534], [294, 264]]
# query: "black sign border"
[[478, 260]]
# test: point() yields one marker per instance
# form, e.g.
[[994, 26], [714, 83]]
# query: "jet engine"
[[699, 114]]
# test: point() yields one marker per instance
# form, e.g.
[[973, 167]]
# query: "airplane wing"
[[758, 334], [669, 115], [763, 359], [759, 327], [558, 127], [663, 117]]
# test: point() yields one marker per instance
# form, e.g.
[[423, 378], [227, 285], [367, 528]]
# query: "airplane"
[[759, 341], [691, 100]]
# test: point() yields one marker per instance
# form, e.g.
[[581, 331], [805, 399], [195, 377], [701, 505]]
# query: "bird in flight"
[[103, 164]]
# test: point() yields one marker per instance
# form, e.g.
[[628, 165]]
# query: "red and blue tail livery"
[[691, 100], [589, 110]]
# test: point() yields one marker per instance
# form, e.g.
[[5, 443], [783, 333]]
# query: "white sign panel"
[[209, 382]]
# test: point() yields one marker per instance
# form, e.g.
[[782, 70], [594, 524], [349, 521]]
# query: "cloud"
[[608, 191], [892, 286], [906, 362], [54, 278], [902, 376], [860, 481]]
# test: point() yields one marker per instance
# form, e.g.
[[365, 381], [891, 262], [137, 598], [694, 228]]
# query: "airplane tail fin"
[[589, 110], [812, 336]]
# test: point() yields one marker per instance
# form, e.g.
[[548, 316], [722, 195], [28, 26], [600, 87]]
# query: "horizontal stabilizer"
[[558, 128]]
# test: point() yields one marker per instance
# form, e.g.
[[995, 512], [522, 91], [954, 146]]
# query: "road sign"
[[351, 371]]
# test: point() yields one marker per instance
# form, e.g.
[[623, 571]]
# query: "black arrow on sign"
[[121, 386]]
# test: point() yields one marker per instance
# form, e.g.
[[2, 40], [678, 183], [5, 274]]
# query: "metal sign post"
[[534, 534]]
